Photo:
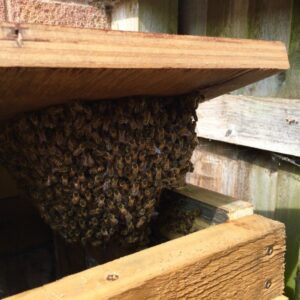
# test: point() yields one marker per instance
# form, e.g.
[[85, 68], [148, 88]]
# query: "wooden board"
[[268, 181], [264, 123], [222, 207], [255, 19], [146, 16], [242, 259], [188, 209], [41, 66]]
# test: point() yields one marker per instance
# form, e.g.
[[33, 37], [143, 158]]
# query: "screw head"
[[270, 250], [268, 283], [112, 277]]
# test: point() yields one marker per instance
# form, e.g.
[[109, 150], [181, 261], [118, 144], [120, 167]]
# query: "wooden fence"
[[249, 145], [268, 172]]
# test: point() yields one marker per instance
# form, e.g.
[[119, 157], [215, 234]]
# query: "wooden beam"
[[190, 208], [217, 208], [146, 16], [44, 65], [264, 123], [248, 254]]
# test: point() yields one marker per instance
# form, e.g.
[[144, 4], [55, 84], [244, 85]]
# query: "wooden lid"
[[46, 65]]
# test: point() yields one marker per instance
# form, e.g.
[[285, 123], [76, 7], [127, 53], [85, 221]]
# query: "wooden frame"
[[248, 254]]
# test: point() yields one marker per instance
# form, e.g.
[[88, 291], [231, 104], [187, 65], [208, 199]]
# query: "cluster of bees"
[[95, 170]]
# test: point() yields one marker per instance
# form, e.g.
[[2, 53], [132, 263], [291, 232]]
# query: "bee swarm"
[[95, 170]]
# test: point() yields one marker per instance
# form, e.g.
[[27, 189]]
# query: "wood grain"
[[146, 16], [226, 207], [44, 65], [255, 19], [227, 261], [270, 183], [271, 124]]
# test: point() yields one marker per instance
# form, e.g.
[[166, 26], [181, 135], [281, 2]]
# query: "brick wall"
[[76, 13], [2, 12]]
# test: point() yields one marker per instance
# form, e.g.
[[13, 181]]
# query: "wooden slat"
[[190, 266], [225, 208], [146, 16], [190, 208], [269, 182], [254, 19], [44, 65], [264, 123]]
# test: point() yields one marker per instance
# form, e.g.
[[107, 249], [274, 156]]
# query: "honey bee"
[[141, 222], [64, 180], [75, 198], [100, 200], [88, 196], [131, 201]]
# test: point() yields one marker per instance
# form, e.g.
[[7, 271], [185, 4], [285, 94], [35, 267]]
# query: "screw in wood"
[[270, 250], [268, 283], [112, 277]]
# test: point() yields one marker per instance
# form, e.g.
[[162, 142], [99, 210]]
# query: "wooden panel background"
[[258, 176], [254, 19]]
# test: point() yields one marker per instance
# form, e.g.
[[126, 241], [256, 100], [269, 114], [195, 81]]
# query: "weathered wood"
[[238, 252], [146, 16], [63, 64], [255, 19], [264, 123], [223, 208], [291, 88], [193, 17], [190, 208], [266, 180], [125, 16]]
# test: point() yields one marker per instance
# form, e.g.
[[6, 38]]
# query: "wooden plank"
[[146, 16], [62, 64], [269, 182], [270, 20], [158, 16], [264, 123], [193, 17], [291, 88], [255, 19], [225, 208], [190, 208], [238, 252], [125, 16]]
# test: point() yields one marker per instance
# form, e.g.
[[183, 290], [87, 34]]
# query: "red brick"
[[80, 13], [2, 11]]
